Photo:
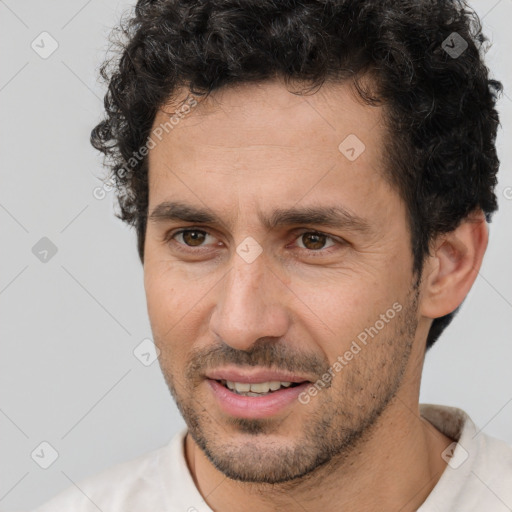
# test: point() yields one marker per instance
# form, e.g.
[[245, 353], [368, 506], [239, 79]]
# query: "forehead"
[[248, 146], [268, 113]]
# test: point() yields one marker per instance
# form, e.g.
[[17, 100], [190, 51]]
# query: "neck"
[[394, 467]]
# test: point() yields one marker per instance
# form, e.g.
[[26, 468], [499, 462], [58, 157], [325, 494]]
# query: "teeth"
[[256, 389], [242, 387], [274, 385], [260, 387]]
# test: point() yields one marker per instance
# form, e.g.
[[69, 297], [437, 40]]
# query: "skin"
[[301, 302]]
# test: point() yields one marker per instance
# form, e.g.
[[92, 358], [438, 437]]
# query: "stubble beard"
[[341, 419]]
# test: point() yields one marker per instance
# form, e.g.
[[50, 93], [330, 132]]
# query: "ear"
[[453, 265]]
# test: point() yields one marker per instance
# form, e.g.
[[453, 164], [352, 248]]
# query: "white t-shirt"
[[478, 477]]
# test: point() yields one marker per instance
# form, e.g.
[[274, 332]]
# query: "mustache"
[[267, 354]]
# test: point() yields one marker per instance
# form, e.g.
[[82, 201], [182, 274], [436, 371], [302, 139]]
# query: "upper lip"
[[253, 375]]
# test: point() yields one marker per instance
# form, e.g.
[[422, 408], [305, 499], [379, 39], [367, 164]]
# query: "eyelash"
[[320, 252]]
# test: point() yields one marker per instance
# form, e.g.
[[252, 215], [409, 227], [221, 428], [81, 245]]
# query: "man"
[[311, 184]]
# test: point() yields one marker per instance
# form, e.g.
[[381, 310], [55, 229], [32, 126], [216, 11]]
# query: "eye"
[[309, 241], [314, 241], [189, 237]]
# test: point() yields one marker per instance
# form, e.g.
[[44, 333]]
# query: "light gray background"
[[69, 326]]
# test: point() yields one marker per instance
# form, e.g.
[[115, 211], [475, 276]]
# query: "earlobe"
[[453, 266]]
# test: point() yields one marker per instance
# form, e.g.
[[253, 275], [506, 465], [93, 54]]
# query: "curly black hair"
[[424, 58]]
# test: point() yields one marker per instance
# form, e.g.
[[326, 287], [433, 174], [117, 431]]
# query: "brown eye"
[[314, 241], [192, 237]]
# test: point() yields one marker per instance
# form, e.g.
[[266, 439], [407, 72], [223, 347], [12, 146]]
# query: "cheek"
[[175, 304], [166, 304], [160, 294], [340, 310]]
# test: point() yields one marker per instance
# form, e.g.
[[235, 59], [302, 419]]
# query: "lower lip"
[[255, 406]]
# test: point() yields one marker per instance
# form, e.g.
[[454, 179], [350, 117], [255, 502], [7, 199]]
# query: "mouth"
[[255, 393], [257, 388]]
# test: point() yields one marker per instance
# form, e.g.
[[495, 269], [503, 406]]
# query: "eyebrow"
[[330, 216]]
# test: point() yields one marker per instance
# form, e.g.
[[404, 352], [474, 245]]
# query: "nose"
[[251, 304]]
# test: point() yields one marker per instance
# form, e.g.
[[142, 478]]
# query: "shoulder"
[[126, 486], [478, 474], [492, 470]]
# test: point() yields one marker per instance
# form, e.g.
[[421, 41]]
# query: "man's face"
[[237, 300]]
